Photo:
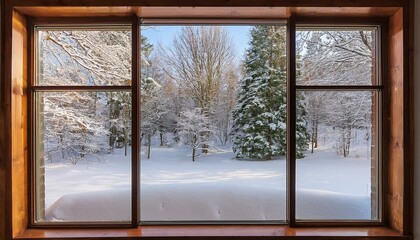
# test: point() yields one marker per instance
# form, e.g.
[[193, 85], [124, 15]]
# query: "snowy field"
[[214, 187]]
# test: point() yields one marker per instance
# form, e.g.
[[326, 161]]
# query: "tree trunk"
[[316, 134], [343, 142], [193, 145], [205, 148], [346, 137], [82, 154], [348, 140], [61, 146], [204, 137], [193, 153], [125, 142], [149, 143], [313, 137], [111, 129], [161, 138]]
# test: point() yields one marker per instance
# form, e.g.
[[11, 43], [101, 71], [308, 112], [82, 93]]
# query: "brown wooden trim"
[[338, 88], [214, 223], [31, 128], [339, 21], [397, 124], [5, 95], [80, 225], [408, 41], [60, 21], [5, 121], [212, 21], [291, 122], [213, 3], [384, 128], [218, 232], [135, 105], [339, 223], [80, 88], [18, 127], [219, 12]]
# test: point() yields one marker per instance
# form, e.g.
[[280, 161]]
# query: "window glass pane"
[[84, 57], [213, 123], [83, 156], [336, 57], [337, 178]]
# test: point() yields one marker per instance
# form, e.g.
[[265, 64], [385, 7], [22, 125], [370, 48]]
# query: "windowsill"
[[216, 232]]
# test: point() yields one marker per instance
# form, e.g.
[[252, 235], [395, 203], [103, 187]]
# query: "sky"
[[164, 35]]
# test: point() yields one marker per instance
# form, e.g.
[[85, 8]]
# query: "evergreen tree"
[[259, 118], [302, 136]]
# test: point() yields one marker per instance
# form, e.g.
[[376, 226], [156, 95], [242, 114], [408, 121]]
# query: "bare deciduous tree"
[[197, 61]]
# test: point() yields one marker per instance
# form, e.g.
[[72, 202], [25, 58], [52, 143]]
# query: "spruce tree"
[[259, 118]]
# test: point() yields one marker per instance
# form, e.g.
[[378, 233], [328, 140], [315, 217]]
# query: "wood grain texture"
[[207, 12], [214, 3], [5, 113], [396, 123], [219, 232], [19, 125], [409, 165], [2, 137]]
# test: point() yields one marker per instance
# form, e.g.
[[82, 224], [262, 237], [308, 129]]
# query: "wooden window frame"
[[293, 88], [398, 202], [134, 89], [380, 87]]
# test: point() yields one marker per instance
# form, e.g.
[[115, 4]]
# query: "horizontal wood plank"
[[213, 3], [259, 11], [217, 232]]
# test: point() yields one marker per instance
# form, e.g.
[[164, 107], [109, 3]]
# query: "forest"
[[213, 123], [198, 93]]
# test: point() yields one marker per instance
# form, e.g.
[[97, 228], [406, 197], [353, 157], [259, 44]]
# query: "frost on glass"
[[213, 123], [83, 57], [337, 178], [336, 57], [83, 157]]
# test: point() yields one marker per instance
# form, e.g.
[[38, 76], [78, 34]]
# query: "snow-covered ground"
[[214, 187]]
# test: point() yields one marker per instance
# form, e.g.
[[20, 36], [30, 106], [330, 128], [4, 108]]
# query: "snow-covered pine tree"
[[302, 136], [259, 129], [259, 118]]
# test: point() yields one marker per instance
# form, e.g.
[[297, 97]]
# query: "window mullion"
[[135, 148], [291, 122]]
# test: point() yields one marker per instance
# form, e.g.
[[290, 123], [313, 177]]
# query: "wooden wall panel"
[[19, 125], [2, 139], [5, 118], [396, 134], [409, 157]]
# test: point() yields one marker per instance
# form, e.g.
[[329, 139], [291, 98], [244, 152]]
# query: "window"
[[213, 124], [391, 101], [339, 82], [214, 115], [82, 104]]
